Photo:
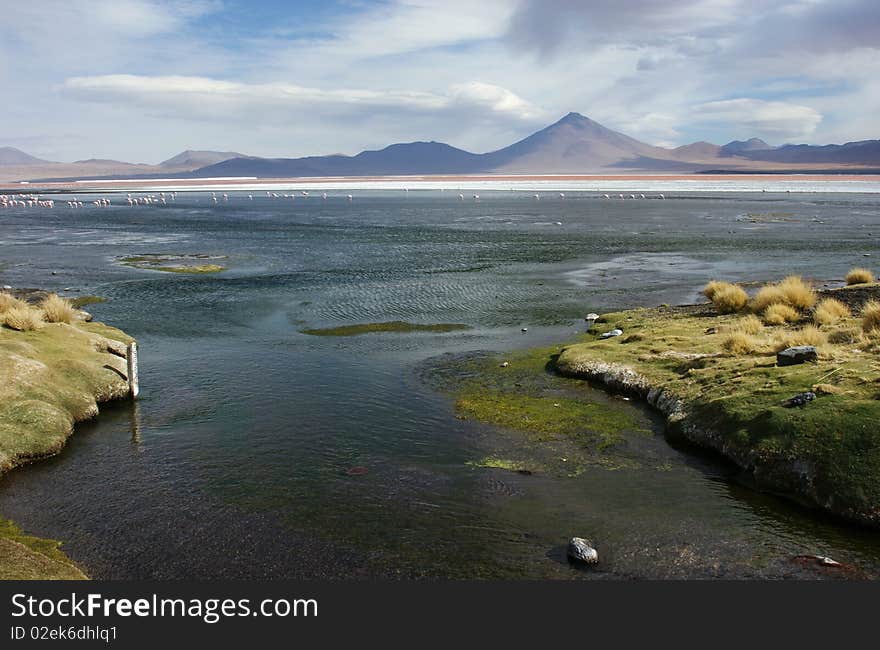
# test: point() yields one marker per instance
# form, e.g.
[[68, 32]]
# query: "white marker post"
[[132, 358]]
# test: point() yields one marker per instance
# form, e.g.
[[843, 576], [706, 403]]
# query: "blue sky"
[[141, 80]]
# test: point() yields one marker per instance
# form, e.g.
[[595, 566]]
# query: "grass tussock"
[[807, 335], [749, 324], [830, 311], [8, 301], [712, 288], [871, 317], [859, 276], [780, 314], [57, 310], [23, 319], [729, 298], [793, 291], [738, 343], [798, 293]]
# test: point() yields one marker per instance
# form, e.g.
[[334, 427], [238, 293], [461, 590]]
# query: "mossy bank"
[[50, 378], [825, 454]]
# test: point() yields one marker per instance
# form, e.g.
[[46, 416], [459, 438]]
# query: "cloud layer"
[[141, 79]]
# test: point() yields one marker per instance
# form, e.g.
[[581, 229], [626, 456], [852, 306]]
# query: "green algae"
[[83, 301], [169, 263], [390, 326]]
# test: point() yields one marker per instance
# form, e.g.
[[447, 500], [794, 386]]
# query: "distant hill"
[[865, 152], [13, 156], [574, 144], [396, 159], [740, 147], [191, 159]]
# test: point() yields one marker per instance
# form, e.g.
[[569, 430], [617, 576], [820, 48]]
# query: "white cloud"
[[774, 120], [201, 97]]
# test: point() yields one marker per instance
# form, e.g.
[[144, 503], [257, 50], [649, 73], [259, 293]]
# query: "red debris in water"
[[356, 471]]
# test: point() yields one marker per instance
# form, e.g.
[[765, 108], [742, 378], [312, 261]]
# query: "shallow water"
[[235, 461]]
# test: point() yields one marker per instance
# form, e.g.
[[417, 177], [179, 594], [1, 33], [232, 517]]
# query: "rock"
[[525, 329], [612, 333], [800, 399], [581, 551], [591, 316], [505, 364], [796, 355]]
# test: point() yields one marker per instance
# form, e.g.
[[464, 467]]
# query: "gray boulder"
[[615, 332], [796, 355], [581, 551]]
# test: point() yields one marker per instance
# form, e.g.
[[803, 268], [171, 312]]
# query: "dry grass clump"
[[793, 291], [57, 310], [712, 288], [871, 317], [780, 314], [729, 298], [738, 343], [767, 296], [798, 293], [807, 335], [8, 301], [830, 311], [846, 336], [859, 276], [23, 319], [749, 324]]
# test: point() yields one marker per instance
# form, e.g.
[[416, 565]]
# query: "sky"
[[141, 80]]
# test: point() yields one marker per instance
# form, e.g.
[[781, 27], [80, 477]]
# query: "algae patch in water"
[[391, 326], [169, 263], [83, 301]]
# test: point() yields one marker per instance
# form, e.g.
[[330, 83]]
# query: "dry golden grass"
[[830, 311], [712, 288], [57, 309], [793, 291], [8, 301], [845, 336], [871, 317], [780, 314], [23, 319], [738, 343], [730, 299], [859, 276], [807, 335], [749, 324], [798, 293], [767, 296]]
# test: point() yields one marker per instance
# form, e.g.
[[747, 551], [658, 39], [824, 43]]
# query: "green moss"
[[168, 263], [391, 326], [82, 301], [503, 463], [23, 557]]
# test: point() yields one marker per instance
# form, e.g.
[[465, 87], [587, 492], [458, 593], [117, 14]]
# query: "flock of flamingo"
[[35, 201]]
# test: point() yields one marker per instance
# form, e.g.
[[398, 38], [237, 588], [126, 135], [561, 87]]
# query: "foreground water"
[[260, 451]]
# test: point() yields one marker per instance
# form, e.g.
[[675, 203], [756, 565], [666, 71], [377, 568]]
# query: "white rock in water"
[[612, 333], [525, 329], [591, 316], [581, 550]]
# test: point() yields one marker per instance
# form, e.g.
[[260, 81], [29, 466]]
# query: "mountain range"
[[573, 145]]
